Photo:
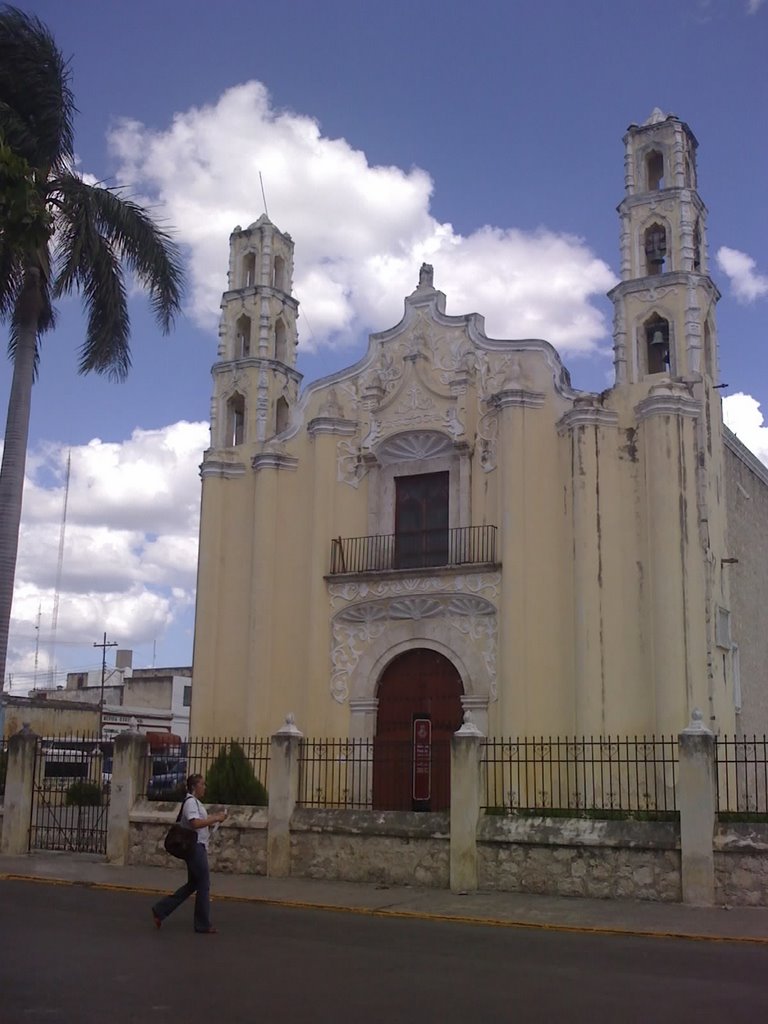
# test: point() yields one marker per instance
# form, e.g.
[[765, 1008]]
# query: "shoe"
[[158, 921], [207, 931]]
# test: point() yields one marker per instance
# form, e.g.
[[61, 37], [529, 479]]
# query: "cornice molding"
[[667, 402], [518, 398], [587, 416], [331, 425], [273, 460], [221, 469]]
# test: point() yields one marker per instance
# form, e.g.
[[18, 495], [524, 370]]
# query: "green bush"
[[231, 780], [83, 794]]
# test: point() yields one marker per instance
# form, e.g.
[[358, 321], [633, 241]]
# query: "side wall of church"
[[747, 497]]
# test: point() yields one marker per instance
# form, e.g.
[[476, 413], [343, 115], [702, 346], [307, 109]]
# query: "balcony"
[[426, 549]]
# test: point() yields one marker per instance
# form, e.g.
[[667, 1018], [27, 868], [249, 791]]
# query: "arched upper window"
[[281, 342], [243, 337], [249, 270], [282, 415], [654, 170], [697, 246], [655, 245], [235, 421], [279, 275], [709, 360], [656, 330]]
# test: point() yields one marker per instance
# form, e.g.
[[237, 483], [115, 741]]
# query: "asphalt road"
[[79, 955]]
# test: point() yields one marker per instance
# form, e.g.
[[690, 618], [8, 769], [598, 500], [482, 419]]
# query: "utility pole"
[[103, 645]]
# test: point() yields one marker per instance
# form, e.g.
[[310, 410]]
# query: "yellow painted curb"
[[407, 914]]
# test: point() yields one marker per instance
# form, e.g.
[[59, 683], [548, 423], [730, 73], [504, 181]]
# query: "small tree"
[[83, 794], [231, 779]]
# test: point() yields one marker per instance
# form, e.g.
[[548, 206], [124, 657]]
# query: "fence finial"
[[696, 725], [289, 728], [468, 728]]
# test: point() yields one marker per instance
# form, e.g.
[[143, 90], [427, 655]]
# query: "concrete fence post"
[[19, 783], [130, 772], [283, 793], [697, 796], [466, 744]]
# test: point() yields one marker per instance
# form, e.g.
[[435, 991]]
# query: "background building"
[[159, 699]]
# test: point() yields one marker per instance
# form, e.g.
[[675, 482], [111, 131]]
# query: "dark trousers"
[[198, 881]]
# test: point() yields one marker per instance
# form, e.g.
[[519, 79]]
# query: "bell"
[[658, 338]]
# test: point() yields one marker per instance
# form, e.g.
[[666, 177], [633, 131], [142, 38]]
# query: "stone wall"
[[741, 864], [239, 846], [746, 480], [390, 847], [580, 857]]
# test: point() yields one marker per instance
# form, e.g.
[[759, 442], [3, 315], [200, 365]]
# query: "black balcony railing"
[[466, 545]]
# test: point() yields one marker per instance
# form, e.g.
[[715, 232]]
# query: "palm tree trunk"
[[15, 448]]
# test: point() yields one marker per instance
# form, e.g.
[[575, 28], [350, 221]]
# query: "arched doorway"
[[419, 710]]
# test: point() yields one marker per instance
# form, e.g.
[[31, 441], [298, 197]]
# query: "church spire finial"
[[426, 276]]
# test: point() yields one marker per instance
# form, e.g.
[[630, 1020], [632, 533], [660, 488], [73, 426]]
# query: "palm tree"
[[57, 235]]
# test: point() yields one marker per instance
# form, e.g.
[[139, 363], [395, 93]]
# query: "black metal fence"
[[70, 794], [465, 545], [335, 773], [378, 774], [742, 777], [230, 766], [3, 763], [595, 776]]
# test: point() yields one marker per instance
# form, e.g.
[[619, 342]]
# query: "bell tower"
[[255, 380], [664, 304]]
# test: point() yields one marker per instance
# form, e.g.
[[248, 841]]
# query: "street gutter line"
[[411, 914]]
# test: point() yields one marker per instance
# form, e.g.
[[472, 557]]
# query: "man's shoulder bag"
[[180, 840]]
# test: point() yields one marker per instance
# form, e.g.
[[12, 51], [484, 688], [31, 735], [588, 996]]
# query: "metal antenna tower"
[[59, 566]]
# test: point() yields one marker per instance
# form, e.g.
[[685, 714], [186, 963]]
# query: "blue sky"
[[485, 137]]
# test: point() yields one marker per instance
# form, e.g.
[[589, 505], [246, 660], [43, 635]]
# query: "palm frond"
[[105, 349], [89, 263], [145, 248], [10, 279], [36, 102]]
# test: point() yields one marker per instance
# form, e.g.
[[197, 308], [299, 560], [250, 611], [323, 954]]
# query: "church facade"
[[449, 526]]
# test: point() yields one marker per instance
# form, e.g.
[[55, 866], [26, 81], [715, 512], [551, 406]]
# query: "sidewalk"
[[522, 910]]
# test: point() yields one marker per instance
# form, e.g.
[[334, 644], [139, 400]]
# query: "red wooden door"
[[417, 685]]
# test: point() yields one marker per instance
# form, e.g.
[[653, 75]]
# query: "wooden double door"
[[419, 710]]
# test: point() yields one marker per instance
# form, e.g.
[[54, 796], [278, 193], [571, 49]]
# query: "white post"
[[697, 804], [465, 805], [130, 773], [283, 793], [19, 781]]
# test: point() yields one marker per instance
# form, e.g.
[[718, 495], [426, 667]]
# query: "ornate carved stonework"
[[357, 626], [349, 468], [485, 584], [421, 445]]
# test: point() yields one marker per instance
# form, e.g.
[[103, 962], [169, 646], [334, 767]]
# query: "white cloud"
[[130, 550], [747, 285], [753, 6], [743, 416], [361, 231]]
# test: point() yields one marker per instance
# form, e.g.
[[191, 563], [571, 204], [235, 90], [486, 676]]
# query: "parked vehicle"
[[168, 779]]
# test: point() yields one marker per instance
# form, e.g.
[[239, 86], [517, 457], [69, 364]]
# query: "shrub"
[[83, 794], [3, 769], [231, 779]]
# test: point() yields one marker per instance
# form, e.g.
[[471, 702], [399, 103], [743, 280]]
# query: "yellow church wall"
[[598, 615]]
